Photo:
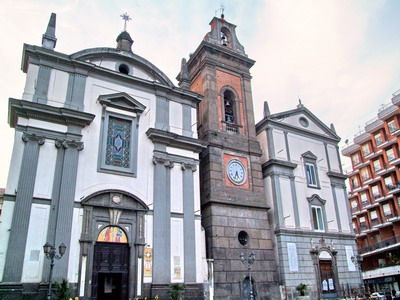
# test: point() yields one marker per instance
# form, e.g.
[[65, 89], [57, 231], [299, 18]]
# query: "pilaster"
[[42, 85], [65, 207], [22, 210], [162, 220], [189, 237]]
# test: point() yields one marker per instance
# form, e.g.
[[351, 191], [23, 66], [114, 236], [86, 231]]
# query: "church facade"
[[148, 184], [106, 162]]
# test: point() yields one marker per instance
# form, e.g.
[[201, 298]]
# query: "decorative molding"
[[316, 200], [175, 140], [32, 137], [122, 101], [47, 113]]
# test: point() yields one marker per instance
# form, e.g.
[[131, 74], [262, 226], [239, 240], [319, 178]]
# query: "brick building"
[[374, 196]]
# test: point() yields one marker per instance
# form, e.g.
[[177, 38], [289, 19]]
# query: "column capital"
[[189, 166], [69, 144], [32, 137], [160, 160]]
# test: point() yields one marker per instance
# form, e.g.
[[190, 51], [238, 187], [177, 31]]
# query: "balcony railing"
[[378, 245]]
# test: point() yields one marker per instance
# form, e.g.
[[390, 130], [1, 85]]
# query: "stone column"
[[189, 237], [162, 221], [22, 209]]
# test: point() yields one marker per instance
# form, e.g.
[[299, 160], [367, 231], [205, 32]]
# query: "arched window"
[[229, 109]]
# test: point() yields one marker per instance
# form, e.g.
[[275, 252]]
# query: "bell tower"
[[234, 209]]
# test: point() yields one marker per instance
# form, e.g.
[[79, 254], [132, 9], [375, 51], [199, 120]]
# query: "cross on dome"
[[126, 18]]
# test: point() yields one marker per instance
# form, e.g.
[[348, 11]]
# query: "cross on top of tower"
[[222, 9], [126, 18]]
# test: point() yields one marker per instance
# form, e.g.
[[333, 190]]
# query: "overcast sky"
[[341, 58]]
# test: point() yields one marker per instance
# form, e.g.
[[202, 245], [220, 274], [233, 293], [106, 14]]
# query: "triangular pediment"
[[122, 101], [301, 118], [309, 155]]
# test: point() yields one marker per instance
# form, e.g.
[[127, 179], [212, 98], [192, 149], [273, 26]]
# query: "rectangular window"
[[389, 183], [377, 165], [373, 215], [375, 191], [118, 144], [362, 222], [386, 209], [355, 159], [364, 198], [392, 126], [365, 149], [390, 154], [318, 220], [354, 182], [311, 175], [354, 205], [378, 138], [365, 174]]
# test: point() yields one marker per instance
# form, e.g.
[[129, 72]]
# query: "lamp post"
[[50, 252], [357, 260], [248, 259]]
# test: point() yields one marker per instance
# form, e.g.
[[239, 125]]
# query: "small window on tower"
[[229, 106], [225, 37]]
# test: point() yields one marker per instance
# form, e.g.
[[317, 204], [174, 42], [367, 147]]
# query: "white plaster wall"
[[177, 254], [333, 158], [343, 209], [196, 187], [88, 179], [57, 88], [279, 144], [42, 124], [262, 140], [312, 126], [303, 205], [5, 225], [30, 83], [34, 257], [45, 170], [16, 159], [175, 117], [176, 189], [194, 122], [74, 251], [182, 152], [134, 70], [201, 262], [287, 202], [149, 239]]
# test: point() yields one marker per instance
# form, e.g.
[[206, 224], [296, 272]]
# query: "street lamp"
[[50, 252], [357, 260], [248, 259]]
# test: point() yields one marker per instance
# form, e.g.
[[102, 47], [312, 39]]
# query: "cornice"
[[175, 140], [32, 110]]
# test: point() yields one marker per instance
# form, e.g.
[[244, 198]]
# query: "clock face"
[[236, 171]]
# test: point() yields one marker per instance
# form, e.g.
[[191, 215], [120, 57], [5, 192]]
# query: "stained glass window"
[[118, 142]]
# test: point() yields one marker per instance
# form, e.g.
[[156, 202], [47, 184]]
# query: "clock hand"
[[236, 175]]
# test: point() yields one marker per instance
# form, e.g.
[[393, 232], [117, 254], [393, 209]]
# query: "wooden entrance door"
[[110, 271], [327, 276]]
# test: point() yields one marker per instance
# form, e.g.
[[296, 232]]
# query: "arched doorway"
[[112, 243], [327, 276], [110, 277]]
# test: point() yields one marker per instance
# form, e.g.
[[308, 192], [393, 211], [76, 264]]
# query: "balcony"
[[231, 127], [387, 110], [378, 245], [396, 98], [374, 154], [349, 149], [373, 125]]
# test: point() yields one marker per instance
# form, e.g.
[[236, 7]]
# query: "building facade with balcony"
[[374, 196]]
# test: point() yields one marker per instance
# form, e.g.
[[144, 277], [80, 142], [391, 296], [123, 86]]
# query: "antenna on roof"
[[126, 18]]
